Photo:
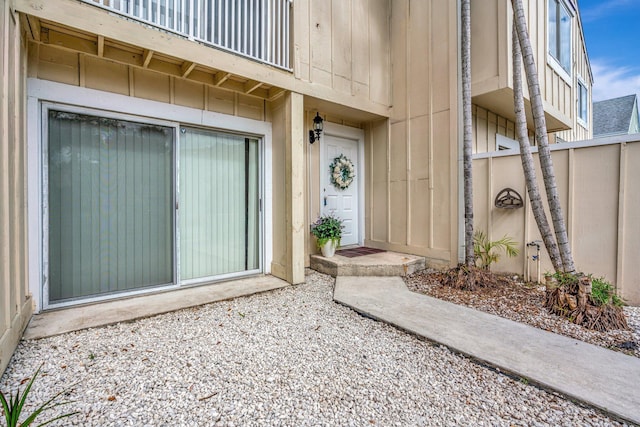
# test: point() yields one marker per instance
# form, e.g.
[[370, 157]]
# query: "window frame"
[[45, 106], [583, 121], [552, 60]]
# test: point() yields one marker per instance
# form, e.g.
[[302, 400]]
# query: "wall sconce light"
[[314, 134]]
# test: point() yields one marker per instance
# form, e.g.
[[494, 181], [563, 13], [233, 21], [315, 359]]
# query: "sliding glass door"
[[110, 193], [218, 204], [126, 209]]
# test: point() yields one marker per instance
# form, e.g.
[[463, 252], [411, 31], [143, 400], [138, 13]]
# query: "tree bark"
[[468, 131], [526, 157], [541, 136]]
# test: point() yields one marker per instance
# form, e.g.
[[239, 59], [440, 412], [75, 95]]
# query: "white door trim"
[[356, 134]]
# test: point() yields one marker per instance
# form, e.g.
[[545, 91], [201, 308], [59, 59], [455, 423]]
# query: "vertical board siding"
[[487, 125], [579, 131], [15, 302], [106, 75], [344, 45], [5, 241], [412, 158], [279, 225]]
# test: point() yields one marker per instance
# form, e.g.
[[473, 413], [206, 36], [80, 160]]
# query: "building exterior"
[[617, 116], [155, 144], [563, 69]]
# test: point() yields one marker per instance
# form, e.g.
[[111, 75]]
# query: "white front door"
[[342, 203]]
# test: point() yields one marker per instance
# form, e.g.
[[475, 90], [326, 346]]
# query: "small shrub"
[[600, 310], [486, 251], [568, 281], [603, 293]]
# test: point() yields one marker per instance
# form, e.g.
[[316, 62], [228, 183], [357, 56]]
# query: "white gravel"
[[290, 357]]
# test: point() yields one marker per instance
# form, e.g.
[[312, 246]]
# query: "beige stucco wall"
[[15, 301], [411, 159], [595, 185], [492, 74]]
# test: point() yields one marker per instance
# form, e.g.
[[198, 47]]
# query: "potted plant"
[[328, 230]]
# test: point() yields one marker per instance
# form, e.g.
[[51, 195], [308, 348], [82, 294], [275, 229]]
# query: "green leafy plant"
[[566, 280], [603, 292], [13, 406], [487, 251], [601, 310], [327, 228]]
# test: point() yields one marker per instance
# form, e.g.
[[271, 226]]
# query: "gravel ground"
[[525, 303], [289, 357]]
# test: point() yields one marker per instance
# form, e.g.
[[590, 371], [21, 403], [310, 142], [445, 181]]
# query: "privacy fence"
[[597, 182]]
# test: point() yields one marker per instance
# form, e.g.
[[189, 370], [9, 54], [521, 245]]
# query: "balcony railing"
[[257, 29]]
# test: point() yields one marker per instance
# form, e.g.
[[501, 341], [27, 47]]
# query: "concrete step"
[[379, 264]]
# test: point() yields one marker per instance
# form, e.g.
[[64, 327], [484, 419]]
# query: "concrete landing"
[[599, 377], [380, 264], [106, 313]]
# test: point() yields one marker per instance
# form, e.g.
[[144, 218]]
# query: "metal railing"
[[257, 29]]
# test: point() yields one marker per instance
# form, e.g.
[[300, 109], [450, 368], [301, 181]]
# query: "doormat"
[[354, 252]]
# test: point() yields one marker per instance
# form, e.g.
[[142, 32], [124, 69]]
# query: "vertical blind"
[[218, 204], [110, 197]]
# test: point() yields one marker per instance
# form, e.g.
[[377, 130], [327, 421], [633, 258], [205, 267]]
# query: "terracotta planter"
[[328, 249]]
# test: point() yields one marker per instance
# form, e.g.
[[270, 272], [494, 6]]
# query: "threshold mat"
[[354, 252]]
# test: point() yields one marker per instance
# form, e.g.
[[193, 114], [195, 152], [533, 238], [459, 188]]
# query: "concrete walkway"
[[123, 310], [599, 377]]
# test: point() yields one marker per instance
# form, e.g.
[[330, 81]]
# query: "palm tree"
[[468, 131], [572, 297], [527, 159], [541, 136]]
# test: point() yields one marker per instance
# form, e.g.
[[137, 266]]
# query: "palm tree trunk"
[[541, 136], [527, 160], [468, 131]]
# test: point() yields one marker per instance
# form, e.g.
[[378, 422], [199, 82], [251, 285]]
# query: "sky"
[[612, 33]]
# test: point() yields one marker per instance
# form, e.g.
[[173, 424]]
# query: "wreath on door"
[[342, 172]]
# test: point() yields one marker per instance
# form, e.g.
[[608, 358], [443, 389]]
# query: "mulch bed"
[[510, 298]]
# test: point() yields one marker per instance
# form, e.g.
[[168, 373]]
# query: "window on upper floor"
[[560, 34], [583, 103]]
